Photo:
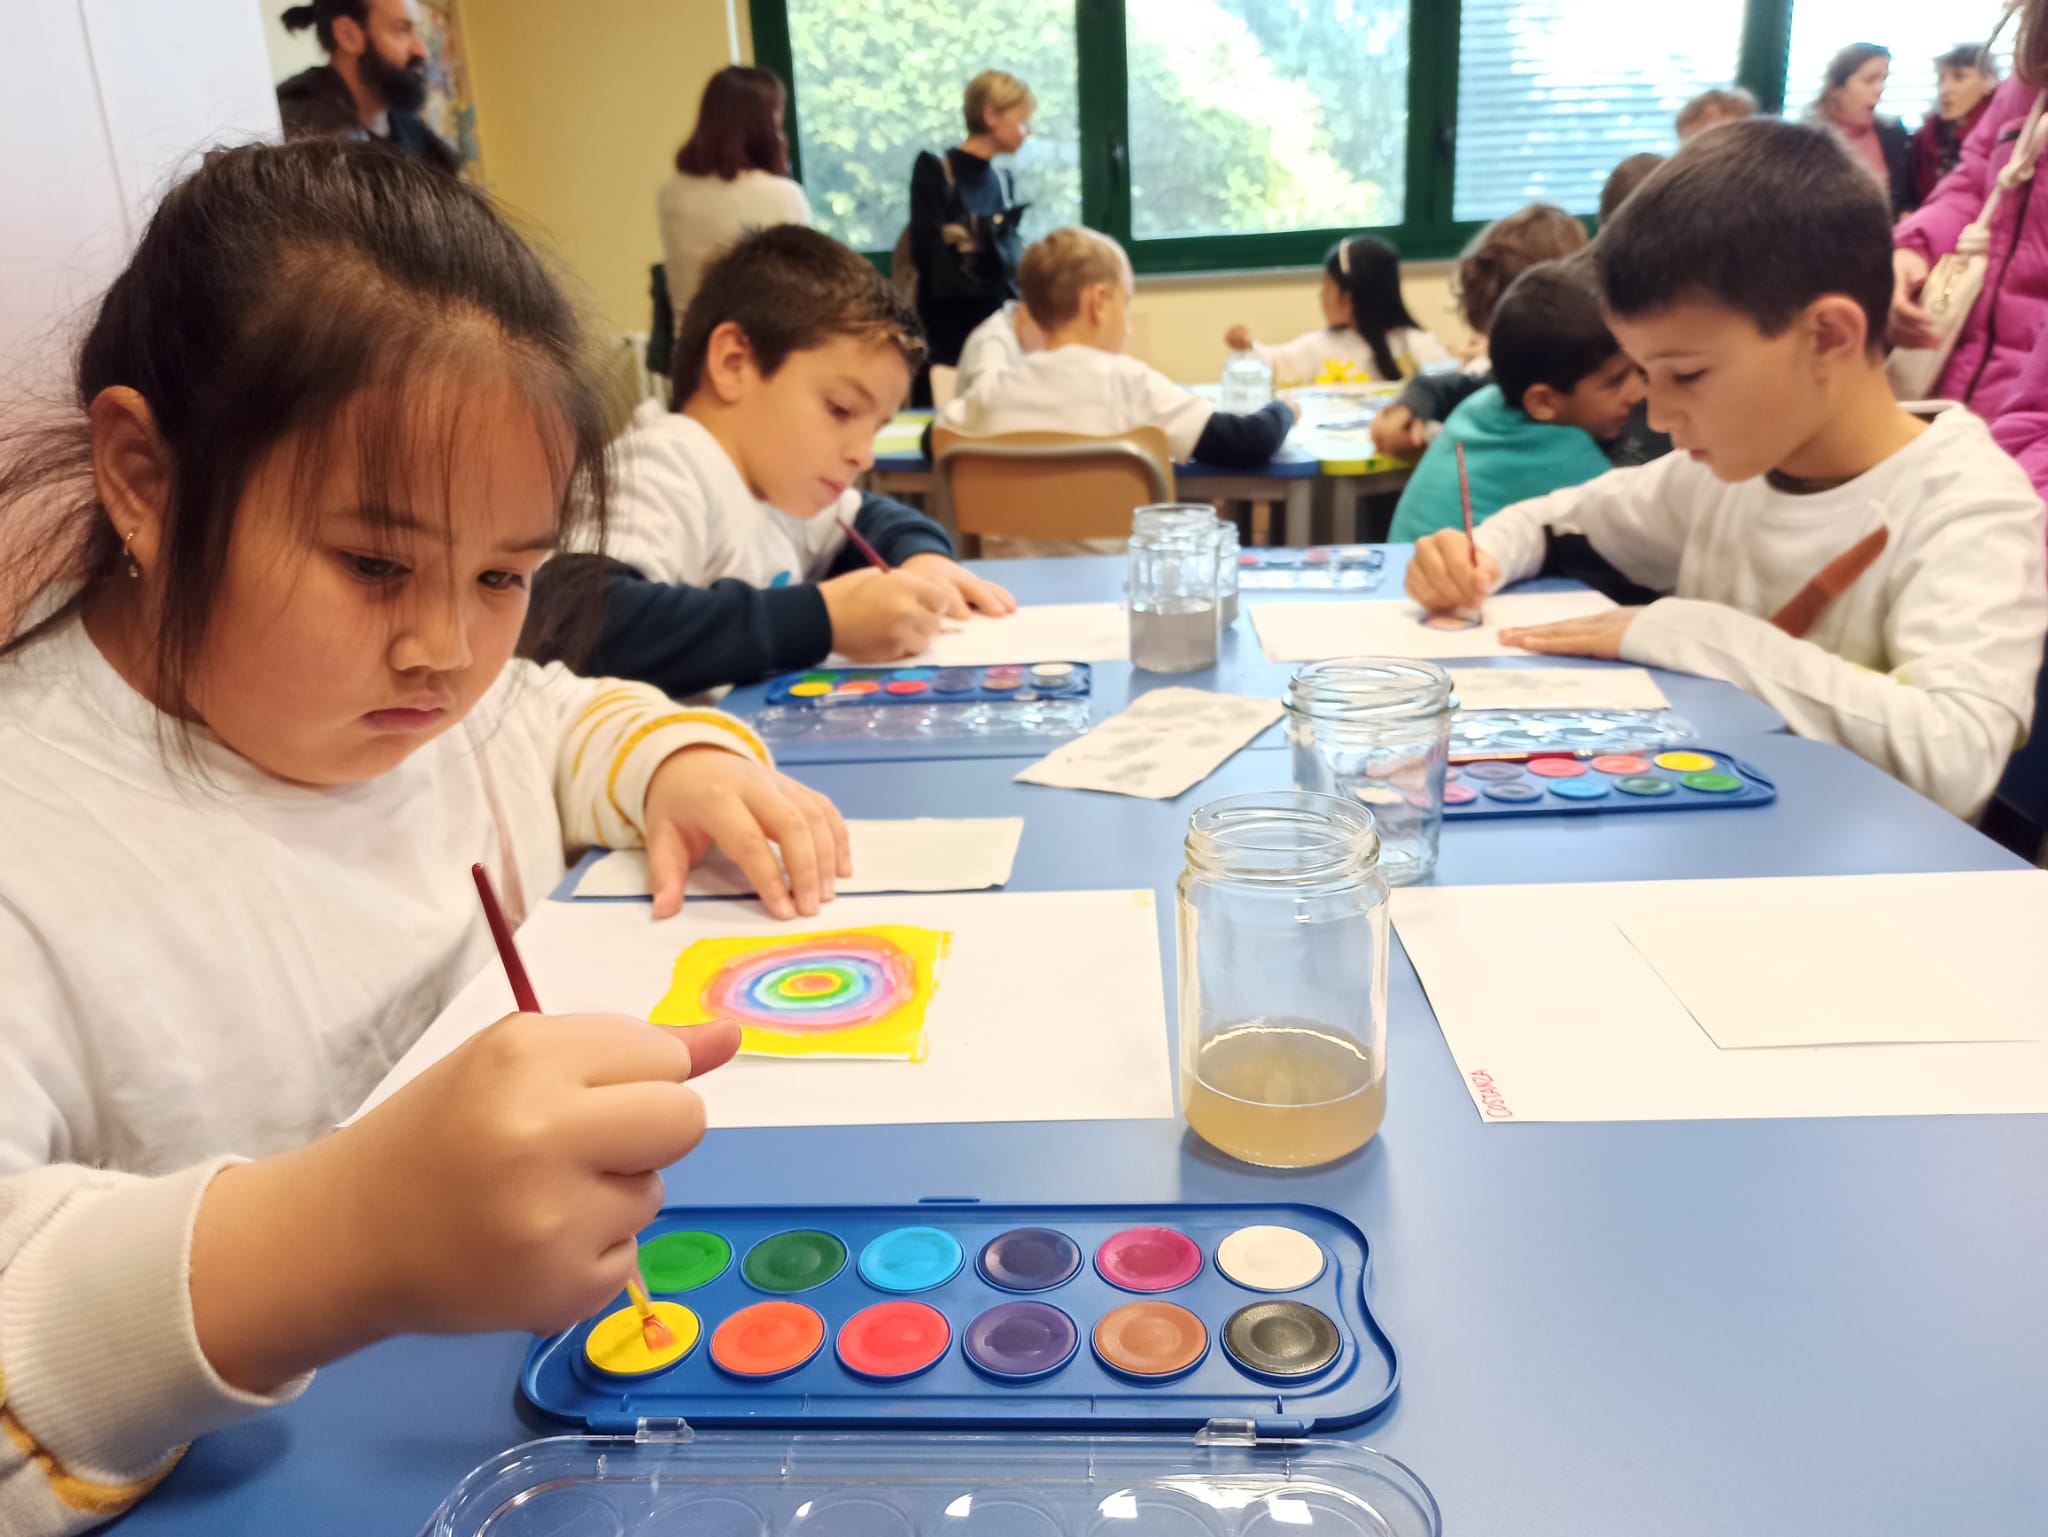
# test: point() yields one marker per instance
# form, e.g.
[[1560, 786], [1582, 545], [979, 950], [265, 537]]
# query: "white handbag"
[[1957, 281]]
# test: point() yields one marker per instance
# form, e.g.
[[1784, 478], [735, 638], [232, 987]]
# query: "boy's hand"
[[1238, 338], [1441, 577], [501, 1189], [1909, 325], [1399, 431], [967, 592], [1595, 635], [882, 616], [705, 795]]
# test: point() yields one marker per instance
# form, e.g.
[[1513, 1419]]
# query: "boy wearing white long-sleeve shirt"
[[1876, 578]]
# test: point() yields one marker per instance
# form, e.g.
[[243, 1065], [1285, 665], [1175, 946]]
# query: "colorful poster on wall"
[[450, 110]]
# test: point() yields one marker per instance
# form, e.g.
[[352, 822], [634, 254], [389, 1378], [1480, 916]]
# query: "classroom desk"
[[1288, 480], [1720, 712], [1691, 1329]]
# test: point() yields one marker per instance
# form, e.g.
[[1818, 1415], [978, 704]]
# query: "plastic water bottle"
[[1247, 383]]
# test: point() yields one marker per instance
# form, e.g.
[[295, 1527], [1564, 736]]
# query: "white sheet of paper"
[[1553, 1015], [1037, 632], [1170, 739], [914, 854], [1050, 1007], [1315, 632], [1809, 975], [1557, 688]]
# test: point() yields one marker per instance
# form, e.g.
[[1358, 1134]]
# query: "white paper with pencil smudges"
[[1170, 739]]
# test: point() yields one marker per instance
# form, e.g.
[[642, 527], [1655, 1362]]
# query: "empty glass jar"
[[1283, 978], [1376, 731]]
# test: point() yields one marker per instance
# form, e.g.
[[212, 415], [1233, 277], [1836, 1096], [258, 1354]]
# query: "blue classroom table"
[[1691, 1329], [1722, 714]]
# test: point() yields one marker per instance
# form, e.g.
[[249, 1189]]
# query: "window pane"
[[1916, 34], [1552, 93], [1249, 116], [877, 83]]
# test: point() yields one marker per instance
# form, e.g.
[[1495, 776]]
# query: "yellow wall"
[[580, 109]]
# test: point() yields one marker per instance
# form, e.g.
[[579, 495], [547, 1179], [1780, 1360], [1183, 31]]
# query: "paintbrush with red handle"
[[860, 543], [652, 1329], [1471, 546]]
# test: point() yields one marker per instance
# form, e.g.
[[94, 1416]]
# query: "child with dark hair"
[[1367, 330], [327, 423], [1498, 254], [727, 559], [1623, 180], [1875, 577], [1561, 387]]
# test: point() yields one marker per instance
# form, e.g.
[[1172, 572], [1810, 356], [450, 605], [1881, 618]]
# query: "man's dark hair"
[[321, 15], [1969, 56], [1761, 217], [1623, 180], [1548, 329], [791, 289]]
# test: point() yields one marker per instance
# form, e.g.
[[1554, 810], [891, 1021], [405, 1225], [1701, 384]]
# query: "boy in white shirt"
[[726, 558], [1078, 287], [995, 344], [1876, 578]]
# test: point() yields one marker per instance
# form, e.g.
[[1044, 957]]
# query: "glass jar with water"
[[1376, 731], [1247, 383], [1176, 598], [1159, 516], [1283, 978]]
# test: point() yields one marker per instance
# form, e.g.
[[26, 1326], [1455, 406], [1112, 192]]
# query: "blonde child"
[[1078, 287], [258, 722], [1367, 332]]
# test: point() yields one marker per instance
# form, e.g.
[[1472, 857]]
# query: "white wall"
[[105, 103], [289, 52]]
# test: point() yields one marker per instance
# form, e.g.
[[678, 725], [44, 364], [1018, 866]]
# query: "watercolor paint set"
[[958, 1313], [1323, 567], [829, 687], [1556, 783]]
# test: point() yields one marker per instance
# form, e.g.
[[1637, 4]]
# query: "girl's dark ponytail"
[[1369, 270]]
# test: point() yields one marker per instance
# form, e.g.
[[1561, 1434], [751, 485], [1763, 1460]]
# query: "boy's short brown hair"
[[1506, 249], [1761, 217], [1725, 103], [791, 289], [1623, 180], [1060, 268]]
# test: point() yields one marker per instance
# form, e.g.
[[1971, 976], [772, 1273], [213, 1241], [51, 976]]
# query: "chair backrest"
[[1052, 485]]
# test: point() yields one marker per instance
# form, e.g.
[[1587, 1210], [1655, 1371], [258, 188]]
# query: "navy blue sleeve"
[[684, 640], [1245, 442], [897, 532], [1433, 397]]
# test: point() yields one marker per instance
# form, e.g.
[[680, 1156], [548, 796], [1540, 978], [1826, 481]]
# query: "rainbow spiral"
[[834, 983]]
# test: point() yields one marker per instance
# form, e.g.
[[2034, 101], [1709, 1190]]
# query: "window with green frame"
[[1217, 135]]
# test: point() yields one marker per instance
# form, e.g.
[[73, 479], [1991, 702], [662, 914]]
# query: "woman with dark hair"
[[732, 176], [1850, 91]]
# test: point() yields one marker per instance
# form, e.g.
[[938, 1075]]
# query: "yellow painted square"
[[893, 950]]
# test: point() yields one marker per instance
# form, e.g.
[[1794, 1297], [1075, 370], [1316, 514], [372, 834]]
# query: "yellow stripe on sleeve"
[[97, 1500], [713, 718]]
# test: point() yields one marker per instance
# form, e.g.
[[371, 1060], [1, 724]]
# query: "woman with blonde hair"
[[965, 221]]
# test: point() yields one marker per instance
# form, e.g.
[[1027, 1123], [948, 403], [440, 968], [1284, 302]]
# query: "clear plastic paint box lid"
[[672, 1481]]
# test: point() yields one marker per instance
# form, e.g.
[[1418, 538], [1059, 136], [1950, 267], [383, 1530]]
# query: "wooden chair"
[[1051, 485]]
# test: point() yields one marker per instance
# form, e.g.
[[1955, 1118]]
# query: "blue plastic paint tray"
[[1683, 778], [785, 1333], [1323, 567]]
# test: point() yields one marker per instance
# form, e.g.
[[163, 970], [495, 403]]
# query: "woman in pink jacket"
[[2000, 365]]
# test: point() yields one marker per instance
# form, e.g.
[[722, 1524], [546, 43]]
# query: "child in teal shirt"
[[1561, 387]]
